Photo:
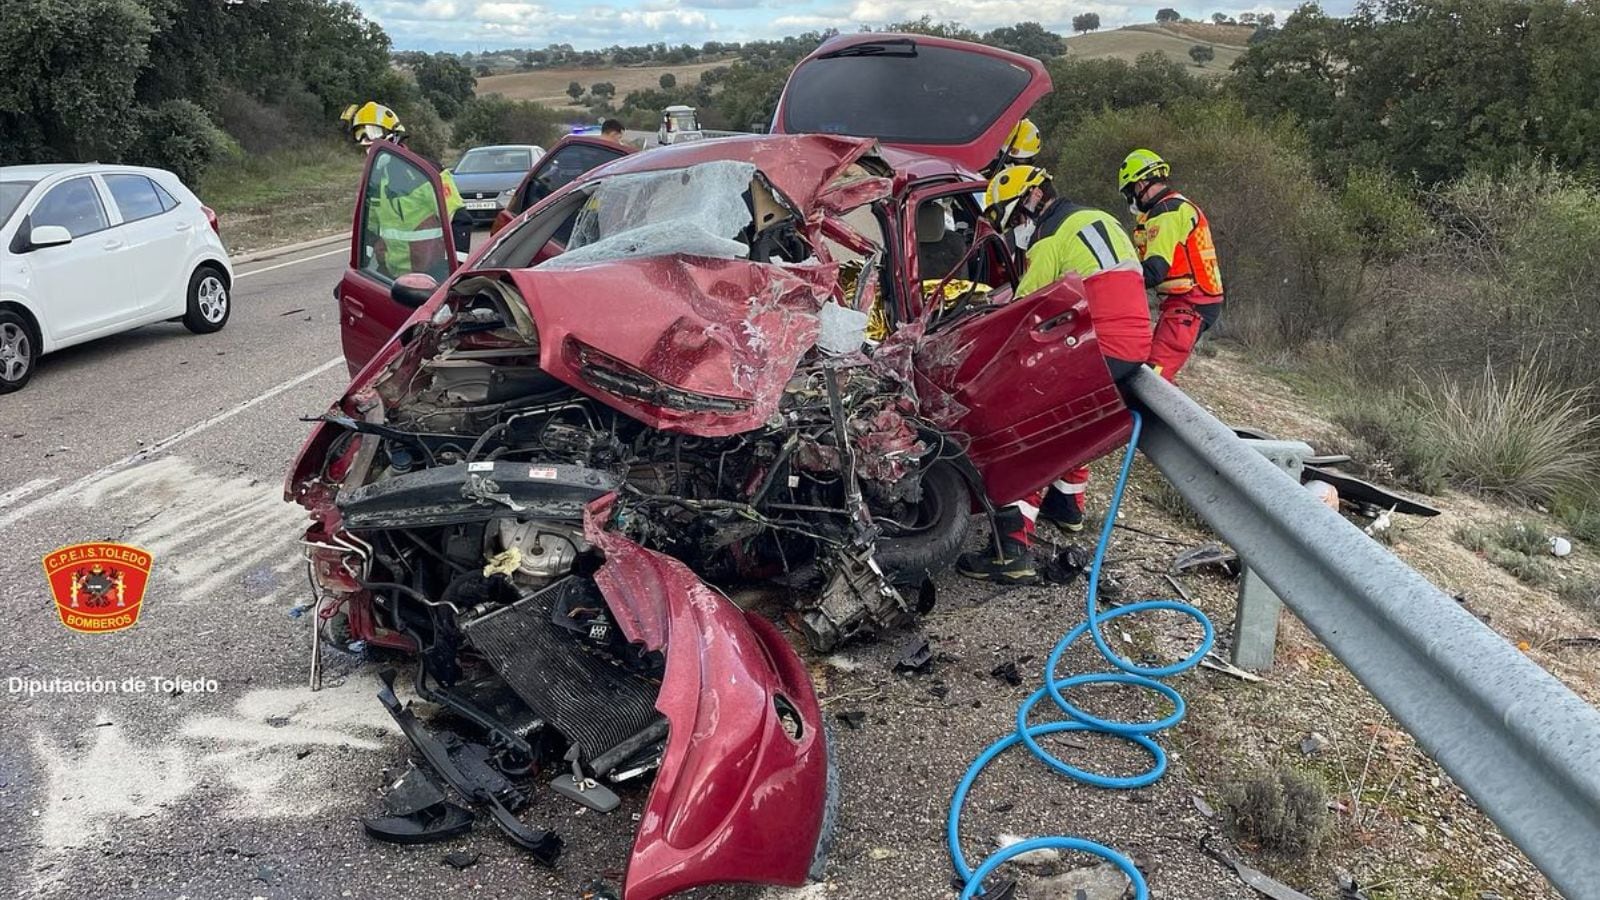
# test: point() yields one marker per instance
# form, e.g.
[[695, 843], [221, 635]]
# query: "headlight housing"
[[503, 199]]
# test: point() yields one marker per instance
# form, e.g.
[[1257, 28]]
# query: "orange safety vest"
[[1175, 232]]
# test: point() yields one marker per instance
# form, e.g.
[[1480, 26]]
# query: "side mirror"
[[48, 236], [413, 289]]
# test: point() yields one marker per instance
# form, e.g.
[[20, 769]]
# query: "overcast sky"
[[492, 24]]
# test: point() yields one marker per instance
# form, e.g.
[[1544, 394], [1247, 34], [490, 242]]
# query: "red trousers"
[[1184, 317], [1017, 520]]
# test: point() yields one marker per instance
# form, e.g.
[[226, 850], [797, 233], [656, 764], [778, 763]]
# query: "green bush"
[[180, 136], [1291, 265], [1392, 445], [1519, 434], [493, 119], [1284, 812], [1521, 548], [1583, 595]]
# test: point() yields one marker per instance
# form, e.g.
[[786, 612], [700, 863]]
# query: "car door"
[[936, 96], [156, 242], [1022, 378], [399, 228], [571, 157], [87, 288]]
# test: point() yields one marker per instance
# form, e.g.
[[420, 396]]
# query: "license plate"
[[480, 204]]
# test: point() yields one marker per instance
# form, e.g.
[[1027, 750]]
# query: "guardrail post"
[[1255, 624]]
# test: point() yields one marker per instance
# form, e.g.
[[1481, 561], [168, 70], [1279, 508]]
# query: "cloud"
[[983, 15]]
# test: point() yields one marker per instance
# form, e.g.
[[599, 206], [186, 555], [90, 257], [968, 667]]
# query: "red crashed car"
[[791, 357]]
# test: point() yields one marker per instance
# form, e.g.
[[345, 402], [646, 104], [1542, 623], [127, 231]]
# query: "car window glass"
[[11, 194], [167, 200], [565, 165], [499, 159], [135, 196], [400, 228], [74, 205]]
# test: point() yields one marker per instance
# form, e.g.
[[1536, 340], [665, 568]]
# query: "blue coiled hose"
[[1137, 733]]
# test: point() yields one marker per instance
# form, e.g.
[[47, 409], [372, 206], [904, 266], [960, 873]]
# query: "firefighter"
[[1022, 145], [373, 122], [1062, 238], [1174, 242]]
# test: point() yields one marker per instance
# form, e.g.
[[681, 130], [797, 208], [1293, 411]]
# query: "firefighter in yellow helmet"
[[1062, 238], [1173, 238], [1022, 145], [402, 221]]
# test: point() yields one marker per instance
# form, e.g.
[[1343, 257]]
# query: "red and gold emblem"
[[98, 587]]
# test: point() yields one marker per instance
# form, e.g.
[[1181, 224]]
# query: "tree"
[[1248, 18], [668, 81], [444, 81], [926, 25], [1267, 20], [1028, 39], [1202, 54], [1221, 19], [1085, 22], [1167, 15], [495, 120], [574, 90], [1086, 86], [603, 90]]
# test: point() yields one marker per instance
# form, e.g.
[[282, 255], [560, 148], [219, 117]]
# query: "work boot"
[[1015, 567], [1064, 511]]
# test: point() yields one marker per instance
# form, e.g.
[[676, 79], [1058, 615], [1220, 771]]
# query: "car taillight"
[[211, 218]]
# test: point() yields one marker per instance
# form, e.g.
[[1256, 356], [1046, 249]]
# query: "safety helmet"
[[1141, 165], [372, 121], [1024, 140], [1006, 190]]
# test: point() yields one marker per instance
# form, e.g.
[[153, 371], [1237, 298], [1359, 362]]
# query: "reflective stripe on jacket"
[[1174, 241]]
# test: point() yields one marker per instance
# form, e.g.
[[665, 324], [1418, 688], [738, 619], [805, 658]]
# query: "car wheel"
[[209, 303], [19, 351]]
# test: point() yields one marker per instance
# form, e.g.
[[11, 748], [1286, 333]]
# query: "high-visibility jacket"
[[403, 216], [1091, 243], [1174, 242]]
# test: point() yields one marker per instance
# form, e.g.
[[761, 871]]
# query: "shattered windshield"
[[702, 210]]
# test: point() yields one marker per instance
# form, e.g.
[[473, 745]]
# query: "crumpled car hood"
[[721, 338]]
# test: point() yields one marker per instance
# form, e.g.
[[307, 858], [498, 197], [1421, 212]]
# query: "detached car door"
[[936, 96], [1022, 378], [571, 157], [400, 227]]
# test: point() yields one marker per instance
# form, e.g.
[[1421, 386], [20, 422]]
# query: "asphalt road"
[[241, 783]]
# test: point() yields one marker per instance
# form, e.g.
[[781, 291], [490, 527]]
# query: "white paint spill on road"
[[205, 531], [30, 487], [254, 751], [76, 488]]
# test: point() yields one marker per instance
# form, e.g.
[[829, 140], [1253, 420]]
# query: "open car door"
[[571, 157], [400, 227], [1023, 379], [942, 97]]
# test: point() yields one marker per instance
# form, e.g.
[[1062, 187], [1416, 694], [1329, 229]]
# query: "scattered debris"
[[1313, 743], [1042, 856], [1065, 567], [1209, 554], [1102, 881], [1363, 493], [1263, 883], [1204, 807], [1007, 672], [460, 859], [1217, 664], [1560, 546], [882, 853], [851, 718], [915, 656]]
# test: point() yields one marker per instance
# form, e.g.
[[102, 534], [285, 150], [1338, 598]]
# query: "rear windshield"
[[905, 94], [11, 193], [501, 159]]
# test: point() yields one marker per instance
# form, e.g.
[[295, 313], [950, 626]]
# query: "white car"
[[91, 250]]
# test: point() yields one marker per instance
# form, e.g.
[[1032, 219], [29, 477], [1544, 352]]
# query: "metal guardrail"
[[1523, 746]]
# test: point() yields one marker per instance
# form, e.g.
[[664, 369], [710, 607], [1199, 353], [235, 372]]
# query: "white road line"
[[292, 262], [17, 493], [166, 443]]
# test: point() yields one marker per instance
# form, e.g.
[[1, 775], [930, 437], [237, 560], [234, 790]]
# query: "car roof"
[[41, 171], [504, 147], [38, 172]]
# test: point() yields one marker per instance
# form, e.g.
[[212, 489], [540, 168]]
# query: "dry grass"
[[269, 199], [1128, 43], [549, 86], [1520, 548], [1283, 812], [1518, 435]]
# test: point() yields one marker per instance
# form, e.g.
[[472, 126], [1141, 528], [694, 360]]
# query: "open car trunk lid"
[[937, 96]]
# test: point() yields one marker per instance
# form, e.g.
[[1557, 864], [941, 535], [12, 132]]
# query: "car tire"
[[19, 351], [209, 301], [911, 560]]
